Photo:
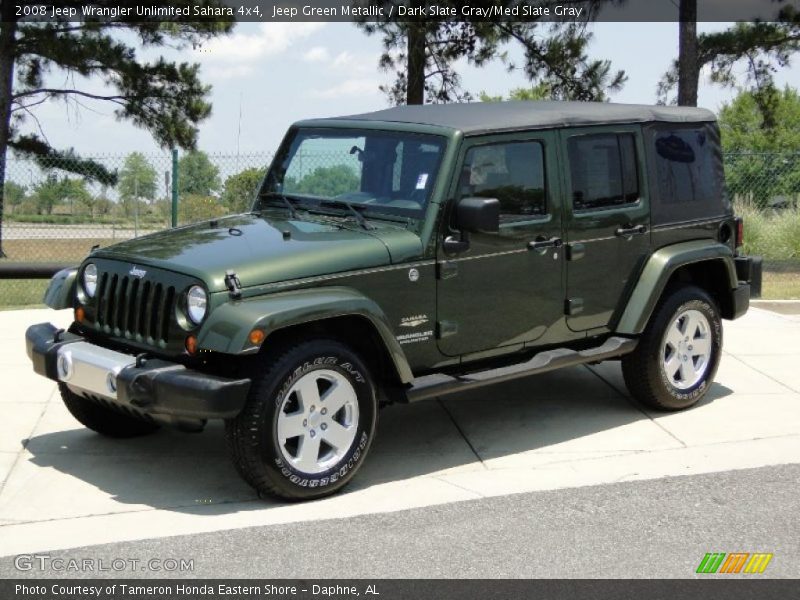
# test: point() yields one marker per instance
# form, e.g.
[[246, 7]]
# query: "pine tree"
[[760, 47], [422, 54], [166, 98]]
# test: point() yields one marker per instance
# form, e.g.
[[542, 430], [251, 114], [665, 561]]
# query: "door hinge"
[[446, 270], [573, 306], [233, 284], [575, 251], [446, 329]]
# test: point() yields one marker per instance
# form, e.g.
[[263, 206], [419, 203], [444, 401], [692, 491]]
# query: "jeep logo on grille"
[[137, 272]]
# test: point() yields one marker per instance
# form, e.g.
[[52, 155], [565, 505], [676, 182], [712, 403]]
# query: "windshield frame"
[[289, 147]]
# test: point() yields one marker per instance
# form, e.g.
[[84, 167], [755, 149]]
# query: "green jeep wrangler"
[[406, 254]]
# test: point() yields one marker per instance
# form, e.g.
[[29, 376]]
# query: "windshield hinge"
[[233, 284]]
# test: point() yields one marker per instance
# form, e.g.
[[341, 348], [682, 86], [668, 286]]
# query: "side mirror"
[[473, 215], [478, 215]]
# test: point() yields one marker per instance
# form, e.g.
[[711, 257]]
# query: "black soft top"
[[484, 117]]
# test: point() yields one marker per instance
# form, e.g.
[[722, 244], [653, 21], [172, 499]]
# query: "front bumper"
[[151, 386]]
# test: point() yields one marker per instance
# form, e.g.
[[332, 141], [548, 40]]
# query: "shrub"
[[774, 235], [754, 227], [787, 235], [193, 207]]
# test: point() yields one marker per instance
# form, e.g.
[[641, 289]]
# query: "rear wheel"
[[308, 422], [104, 420], [677, 357]]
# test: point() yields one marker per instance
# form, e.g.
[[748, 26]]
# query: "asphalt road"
[[649, 529]]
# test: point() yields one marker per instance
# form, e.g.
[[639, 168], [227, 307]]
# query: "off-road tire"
[[252, 436], [642, 370], [102, 419]]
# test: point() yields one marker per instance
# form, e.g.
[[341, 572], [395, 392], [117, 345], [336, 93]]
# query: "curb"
[[783, 307]]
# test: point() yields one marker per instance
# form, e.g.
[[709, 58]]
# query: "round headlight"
[[196, 304], [90, 280]]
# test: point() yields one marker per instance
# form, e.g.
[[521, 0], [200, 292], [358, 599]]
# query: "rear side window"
[[684, 166], [603, 170], [511, 172]]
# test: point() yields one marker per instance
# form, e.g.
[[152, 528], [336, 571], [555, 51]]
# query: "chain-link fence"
[[765, 189], [53, 215]]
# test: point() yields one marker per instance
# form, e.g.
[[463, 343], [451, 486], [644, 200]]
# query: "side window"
[[684, 163], [511, 172], [603, 170]]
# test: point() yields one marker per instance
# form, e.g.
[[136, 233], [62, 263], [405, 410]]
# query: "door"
[[608, 221], [506, 288]]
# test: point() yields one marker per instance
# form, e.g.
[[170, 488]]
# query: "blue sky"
[[282, 72]]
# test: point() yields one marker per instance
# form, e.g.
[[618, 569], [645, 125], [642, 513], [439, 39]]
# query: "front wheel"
[[678, 353], [308, 422]]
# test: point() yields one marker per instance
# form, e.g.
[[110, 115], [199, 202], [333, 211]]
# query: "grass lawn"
[[22, 293], [781, 286], [27, 293], [51, 250]]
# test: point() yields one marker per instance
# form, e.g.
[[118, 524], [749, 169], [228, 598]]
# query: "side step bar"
[[439, 384]]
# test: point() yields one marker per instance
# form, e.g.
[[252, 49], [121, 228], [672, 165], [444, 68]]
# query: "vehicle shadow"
[[544, 419]]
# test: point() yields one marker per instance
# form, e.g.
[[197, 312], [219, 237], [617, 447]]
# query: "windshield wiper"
[[358, 216], [290, 207]]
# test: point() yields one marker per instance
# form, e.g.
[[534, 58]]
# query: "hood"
[[263, 249]]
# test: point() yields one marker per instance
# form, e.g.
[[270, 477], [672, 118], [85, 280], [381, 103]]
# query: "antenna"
[[239, 132]]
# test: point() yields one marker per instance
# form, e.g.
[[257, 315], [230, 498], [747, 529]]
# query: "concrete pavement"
[[63, 486], [657, 528]]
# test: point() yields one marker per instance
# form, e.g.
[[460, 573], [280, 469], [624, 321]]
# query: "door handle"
[[627, 230], [542, 243]]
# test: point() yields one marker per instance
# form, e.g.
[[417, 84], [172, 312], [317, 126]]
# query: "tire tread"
[[244, 449], [639, 369]]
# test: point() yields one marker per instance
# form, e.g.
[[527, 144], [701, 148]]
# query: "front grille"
[[134, 308]]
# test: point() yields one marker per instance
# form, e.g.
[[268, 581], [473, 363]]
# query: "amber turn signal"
[[256, 337], [80, 314], [191, 344]]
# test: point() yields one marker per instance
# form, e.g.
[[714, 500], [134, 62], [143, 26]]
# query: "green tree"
[[166, 98], [557, 58], [137, 179], [761, 47], [76, 194], [197, 174], [48, 194], [539, 92], [14, 194], [422, 53], [195, 207], [239, 190], [53, 192], [761, 161], [742, 124], [102, 205], [326, 182], [542, 91]]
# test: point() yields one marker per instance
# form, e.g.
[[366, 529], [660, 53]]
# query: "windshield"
[[372, 171]]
